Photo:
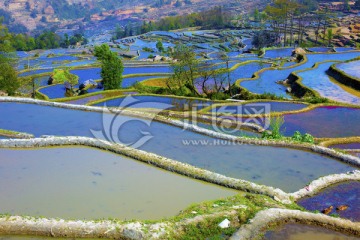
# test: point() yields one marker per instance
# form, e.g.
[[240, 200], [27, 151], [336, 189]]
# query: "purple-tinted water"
[[341, 194], [325, 122], [347, 146], [296, 231], [158, 102], [259, 107]]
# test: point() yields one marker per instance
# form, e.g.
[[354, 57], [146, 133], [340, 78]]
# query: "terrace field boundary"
[[296, 81], [275, 216], [336, 155], [151, 159], [167, 120], [160, 96], [343, 77], [183, 168], [256, 75]]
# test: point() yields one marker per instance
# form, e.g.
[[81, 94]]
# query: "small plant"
[[315, 100], [63, 75], [147, 49], [308, 138], [266, 134], [297, 136], [275, 126], [303, 138]]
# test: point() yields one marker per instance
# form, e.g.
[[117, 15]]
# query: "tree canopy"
[[8, 76], [185, 71], [111, 67]]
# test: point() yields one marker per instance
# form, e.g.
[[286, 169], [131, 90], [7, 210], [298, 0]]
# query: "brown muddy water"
[[86, 183]]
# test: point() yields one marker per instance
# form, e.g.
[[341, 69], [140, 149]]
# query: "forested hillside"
[[29, 15]]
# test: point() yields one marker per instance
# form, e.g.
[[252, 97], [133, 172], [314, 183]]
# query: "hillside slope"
[[46, 13]]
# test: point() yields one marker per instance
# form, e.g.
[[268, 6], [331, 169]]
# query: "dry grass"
[[155, 82]]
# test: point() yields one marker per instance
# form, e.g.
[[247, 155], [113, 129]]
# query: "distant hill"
[[28, 15]]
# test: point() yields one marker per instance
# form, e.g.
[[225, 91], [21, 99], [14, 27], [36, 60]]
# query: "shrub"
[[244, 94], [266, 134], [315, 100], [8, 79], [303, 138], [275, 126], [308, 138], [147, 49], [297, 136], [219, 96], [63, 75], [111, 67]]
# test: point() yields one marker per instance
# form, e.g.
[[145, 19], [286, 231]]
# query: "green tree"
[[111, 67], [347, 5], [256, 15], [322, 19], [9, 81], [282, 13], [119, 33], [185, 71], [308, 5], [329, 35], [212, 80], [265, 38], [8, 76], [224, 57], [159, 46], [78, 38]]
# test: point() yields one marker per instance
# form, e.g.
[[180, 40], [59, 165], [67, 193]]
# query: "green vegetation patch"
[[238, 209], [13, 134], [64, 75]]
